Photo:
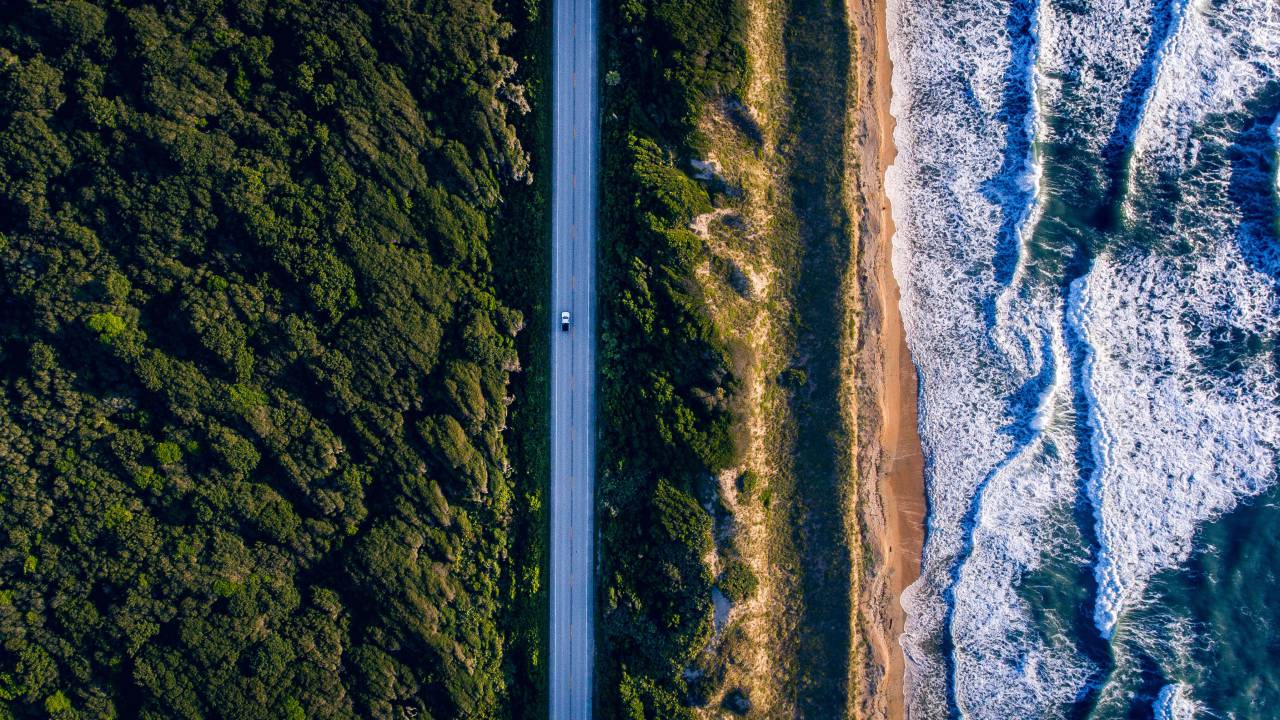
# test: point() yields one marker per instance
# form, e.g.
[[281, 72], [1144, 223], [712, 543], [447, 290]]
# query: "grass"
[[818, 62], [795, 339]]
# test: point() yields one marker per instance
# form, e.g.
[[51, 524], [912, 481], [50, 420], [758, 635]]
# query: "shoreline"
[[890, 454]]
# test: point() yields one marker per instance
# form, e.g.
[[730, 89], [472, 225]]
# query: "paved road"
[[573, 226]]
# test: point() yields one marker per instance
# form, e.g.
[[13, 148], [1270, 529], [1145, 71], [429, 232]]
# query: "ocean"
[[1088, 246]]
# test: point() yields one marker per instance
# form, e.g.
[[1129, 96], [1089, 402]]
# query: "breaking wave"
[[1174, 703]]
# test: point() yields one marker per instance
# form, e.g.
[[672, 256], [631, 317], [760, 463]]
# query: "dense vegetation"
[[666, 386], [254, 365]]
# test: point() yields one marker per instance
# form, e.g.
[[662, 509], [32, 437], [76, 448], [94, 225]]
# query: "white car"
[[564, 321]]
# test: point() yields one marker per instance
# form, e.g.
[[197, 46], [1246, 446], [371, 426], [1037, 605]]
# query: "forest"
[[666, 386], [258, 452]]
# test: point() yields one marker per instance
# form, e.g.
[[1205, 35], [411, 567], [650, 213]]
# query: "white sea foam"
[[1090, 53], [1152, 631], [1176, 442], [1219, 56], [1001, 669], [990, 499], [1174, 703], [1275, 178]]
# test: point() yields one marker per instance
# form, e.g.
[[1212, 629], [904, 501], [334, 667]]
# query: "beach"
[[890, 463]]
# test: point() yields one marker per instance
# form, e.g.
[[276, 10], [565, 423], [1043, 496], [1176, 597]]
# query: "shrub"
[[794, 378], [667, 398], [736, 702], [738, 582], [748, 483]]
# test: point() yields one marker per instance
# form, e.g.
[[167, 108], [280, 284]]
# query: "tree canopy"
[[253, 365]]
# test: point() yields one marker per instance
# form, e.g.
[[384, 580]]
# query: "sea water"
[[1088, 245]]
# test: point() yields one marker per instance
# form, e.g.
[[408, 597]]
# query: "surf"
[[1080, 409]]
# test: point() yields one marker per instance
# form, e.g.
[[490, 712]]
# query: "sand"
[[892, 465]]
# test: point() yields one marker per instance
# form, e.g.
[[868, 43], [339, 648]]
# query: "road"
[[573, 362]]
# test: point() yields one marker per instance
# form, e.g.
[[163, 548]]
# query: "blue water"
[[1088, 245]]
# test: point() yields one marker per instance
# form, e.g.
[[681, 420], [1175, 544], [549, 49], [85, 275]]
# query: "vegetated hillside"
[[666, 385], [254, 372]]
